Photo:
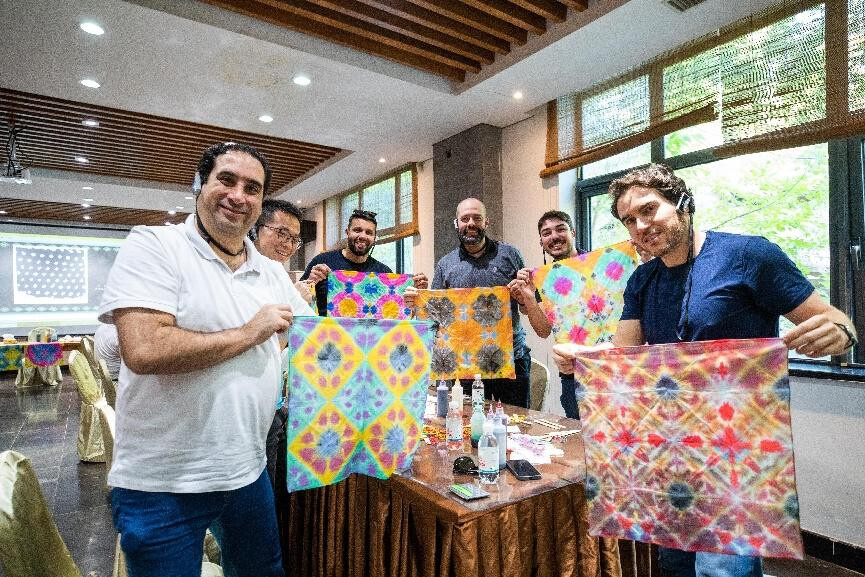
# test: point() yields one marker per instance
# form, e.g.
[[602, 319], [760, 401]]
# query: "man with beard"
[[706, 286], [480, 261], [200, 315], [360, 240], [558, 239]]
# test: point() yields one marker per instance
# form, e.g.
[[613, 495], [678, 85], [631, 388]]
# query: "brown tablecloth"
[[412, 525]]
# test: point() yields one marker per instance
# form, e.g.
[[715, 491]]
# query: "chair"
[[30, 376], [90, 446], [99, 369], [539, 381], [29, 541]]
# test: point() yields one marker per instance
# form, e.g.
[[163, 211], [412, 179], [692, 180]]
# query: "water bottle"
[[478, 392], [500, 431], [454, 426], [477, 422], [488, 455], [457, 394], [442, 399]]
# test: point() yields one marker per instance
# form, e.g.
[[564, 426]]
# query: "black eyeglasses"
[[284, 236], [364, 213], [465, 466]]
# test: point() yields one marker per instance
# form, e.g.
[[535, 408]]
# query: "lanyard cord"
[[213, 241]]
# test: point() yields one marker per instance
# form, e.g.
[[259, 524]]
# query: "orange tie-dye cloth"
[[475, 335], [689, 446], [583, 296]]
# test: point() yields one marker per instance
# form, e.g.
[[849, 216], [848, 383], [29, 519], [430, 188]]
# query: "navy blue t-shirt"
[[740, 286], [336, 261]]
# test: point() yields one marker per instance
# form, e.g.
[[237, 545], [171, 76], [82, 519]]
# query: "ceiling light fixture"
[[172, 212], [382, 160], [85, 205], [167, 223], [188, 197], [86, 188], [87, 199], [301, 80], [265, 118], [3, 212], [81, 160], [90, 83], [86, 217], [517, 95], [179, 207], [91, 122], [92, 28]]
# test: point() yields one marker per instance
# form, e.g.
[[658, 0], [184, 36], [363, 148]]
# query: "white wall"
[[525, 197], [424, 243]]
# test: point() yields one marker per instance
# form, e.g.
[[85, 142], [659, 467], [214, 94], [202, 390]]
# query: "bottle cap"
[[477, 376]]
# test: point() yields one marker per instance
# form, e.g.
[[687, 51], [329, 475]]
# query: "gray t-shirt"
[[497, 266]]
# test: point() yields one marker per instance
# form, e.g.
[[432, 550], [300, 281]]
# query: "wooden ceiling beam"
[[476, 19], [510, 12], [443, 24], [341, 23], [410, 28], [262, 11], [578, 5], [549, 9]]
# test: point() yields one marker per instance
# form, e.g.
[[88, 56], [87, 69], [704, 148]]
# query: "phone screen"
[[523, 470]]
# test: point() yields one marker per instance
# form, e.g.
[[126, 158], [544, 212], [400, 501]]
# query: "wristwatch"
[[852, 341]]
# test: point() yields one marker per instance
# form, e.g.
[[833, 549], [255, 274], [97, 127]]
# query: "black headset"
[[685, 203]]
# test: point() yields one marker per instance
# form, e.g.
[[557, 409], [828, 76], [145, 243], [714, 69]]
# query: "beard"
[[352, 247], [479, 236], [675, 236]]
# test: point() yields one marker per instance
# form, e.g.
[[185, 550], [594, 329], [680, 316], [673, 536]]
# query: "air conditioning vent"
[[682, 5]]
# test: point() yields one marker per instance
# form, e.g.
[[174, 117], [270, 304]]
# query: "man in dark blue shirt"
[[709, 285], [480, 261], [360, 239]]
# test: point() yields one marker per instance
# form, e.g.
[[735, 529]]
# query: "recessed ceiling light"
[[517, 95], [179, 207], [172, 212], [301, 80], [92, 28], [188, 197], [81, 160], [90, 83], [3, 212], [87, 199], [86, 217], [92, 122], [86, 188], [85, 205], [265, 118], [167, 223], [382, 159]]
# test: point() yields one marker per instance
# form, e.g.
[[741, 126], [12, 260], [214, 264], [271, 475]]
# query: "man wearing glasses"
[[356, 255]]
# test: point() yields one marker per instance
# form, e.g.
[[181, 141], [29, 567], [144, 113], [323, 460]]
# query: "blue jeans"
[[162, 534], [568, 397], [675, 563]]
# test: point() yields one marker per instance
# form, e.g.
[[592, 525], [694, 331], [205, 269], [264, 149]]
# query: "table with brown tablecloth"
[[412, 525]]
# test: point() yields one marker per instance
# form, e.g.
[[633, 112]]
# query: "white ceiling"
[[193, 62]]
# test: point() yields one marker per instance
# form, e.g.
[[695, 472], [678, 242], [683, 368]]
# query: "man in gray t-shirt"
[[480, 261]]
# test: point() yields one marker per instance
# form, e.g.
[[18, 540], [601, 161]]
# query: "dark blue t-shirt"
[[740, 286], [336, 261]]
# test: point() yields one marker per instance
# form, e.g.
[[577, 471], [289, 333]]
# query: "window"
[[394, 200]]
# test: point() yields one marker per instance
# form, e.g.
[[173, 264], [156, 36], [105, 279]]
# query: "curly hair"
[[208, 161], [657, 176]]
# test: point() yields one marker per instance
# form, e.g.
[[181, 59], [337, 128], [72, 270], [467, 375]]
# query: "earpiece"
[[456, 224], [196, 183], [685, 204]]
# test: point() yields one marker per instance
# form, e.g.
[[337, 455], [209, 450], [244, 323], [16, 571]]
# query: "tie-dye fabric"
[[475, 333], [583, 296], [352, 294], [30, 355], [689, 446], [357, 393]]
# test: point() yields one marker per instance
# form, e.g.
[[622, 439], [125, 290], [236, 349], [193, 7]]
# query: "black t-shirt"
[[336, 261]]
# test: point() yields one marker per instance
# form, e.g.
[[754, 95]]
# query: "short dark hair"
[[273, 205], [367, 215], [657, 176], [208, 160], [557, 215]]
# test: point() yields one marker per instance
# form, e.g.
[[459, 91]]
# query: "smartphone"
[[523, 470], [468, 491]]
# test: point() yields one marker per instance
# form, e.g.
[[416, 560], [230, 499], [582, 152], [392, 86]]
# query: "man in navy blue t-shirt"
[[709, 285]]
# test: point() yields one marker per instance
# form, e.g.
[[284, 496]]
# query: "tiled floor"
[[43, 425]]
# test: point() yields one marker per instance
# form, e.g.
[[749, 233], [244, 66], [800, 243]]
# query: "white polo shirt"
[[204, 430]]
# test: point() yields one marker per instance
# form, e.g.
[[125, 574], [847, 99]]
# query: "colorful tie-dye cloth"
[[30, 355], [689, 446], [372, 295], [583, 296], [475, 333], [357, 392]]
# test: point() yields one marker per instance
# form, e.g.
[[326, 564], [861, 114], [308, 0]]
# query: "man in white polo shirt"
[[201, 317]]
